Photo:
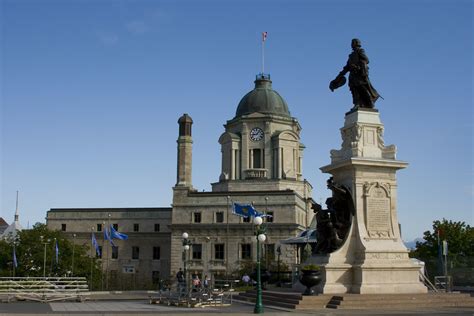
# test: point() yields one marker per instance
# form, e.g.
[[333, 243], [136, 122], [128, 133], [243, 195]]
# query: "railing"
[[44, 289], [427, 282], [443, 283], [256, 173]]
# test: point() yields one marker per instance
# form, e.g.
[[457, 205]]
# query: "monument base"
[[373, 258]]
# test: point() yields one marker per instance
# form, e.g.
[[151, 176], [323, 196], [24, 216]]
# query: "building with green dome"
[[261, 164]]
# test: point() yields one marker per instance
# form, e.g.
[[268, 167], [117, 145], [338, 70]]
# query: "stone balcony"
[[255, 173]]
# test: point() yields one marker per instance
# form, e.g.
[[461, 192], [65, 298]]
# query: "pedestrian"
[[206, 281], [246, 279]]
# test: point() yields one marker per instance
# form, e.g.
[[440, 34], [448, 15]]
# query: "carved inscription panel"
[[378, 213], [378, 217]]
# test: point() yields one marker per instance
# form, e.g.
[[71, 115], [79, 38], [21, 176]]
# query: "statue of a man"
[[364, 94]]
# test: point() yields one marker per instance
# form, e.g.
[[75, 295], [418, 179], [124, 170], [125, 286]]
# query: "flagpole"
[[90, 281], [102, 256], [14, 261], [107, 265], [227, 241], [263, 54]]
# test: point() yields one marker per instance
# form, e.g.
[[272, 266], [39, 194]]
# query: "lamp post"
[[186, 245], [107, 255], [279, 254], [227, 240], [73, 250], [92, 257], [260, 233], [45, 243]]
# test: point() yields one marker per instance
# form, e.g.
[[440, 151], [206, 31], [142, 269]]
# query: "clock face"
[[256, 134]]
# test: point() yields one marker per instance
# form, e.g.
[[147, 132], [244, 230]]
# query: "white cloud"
[[137, 27], [108, 38]]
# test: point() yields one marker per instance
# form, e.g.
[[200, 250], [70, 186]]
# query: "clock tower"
[[262, 144]]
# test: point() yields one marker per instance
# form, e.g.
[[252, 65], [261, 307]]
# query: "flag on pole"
[[264, 36], [107, 236], [96, 245], [115, 234], [15, 261], [56, 249]]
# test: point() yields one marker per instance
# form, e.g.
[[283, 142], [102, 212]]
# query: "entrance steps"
[[400, 301], [296, 301]]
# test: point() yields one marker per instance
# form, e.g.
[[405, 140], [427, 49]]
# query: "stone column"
[[373, 258]]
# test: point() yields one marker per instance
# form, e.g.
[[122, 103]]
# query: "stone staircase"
[[286, 300], [296, 301], [400, 301]]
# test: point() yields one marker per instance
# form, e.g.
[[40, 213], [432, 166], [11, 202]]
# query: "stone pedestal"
[[373, 258]]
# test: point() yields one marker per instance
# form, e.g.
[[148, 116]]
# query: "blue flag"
[[15, 262], [115, 234], [107, 236], [56, 249], [96, 245], [245, 210]]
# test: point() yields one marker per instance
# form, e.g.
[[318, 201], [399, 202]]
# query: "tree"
[[460, 238], [30, 246]]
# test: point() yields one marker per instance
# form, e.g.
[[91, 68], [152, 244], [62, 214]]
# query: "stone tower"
[[185, 152], [262, 144]]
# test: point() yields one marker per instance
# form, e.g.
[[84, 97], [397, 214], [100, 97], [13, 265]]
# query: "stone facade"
[[261, 164], [147, 229]]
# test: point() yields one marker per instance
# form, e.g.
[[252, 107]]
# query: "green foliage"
[[30, 247], [460, 238], [306, 254], [310, 267]]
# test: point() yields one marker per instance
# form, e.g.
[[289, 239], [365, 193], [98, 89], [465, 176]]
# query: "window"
[[114, 252], [246, 219], [219, 251], [197, 217], [157, 227], [269, 218], [219, 217], [63, 227], [257, 161], [269, 252], [197, 251], [155, 277], [136, 227], [156, 253], [100, 253], [246, 251], [135, 252], [115, 226], [99, 227]]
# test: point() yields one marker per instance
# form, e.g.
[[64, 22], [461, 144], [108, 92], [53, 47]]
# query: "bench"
[[44, 290]]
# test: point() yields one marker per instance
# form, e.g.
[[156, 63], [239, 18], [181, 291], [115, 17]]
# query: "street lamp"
[[186, 245], [261, 237], [279, 254], [73, 249], [44, 242]]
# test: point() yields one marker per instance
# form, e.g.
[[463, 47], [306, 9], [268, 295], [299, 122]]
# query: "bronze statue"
[[364, 94], [332, 224]]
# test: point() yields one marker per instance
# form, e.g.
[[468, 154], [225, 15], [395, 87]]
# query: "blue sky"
[[91, 92]]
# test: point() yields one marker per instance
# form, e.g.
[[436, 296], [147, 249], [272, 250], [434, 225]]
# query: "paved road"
[[122, 308]]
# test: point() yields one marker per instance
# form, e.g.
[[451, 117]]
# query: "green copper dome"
[[262, 99]]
